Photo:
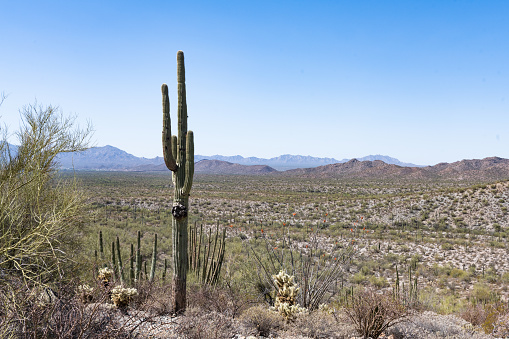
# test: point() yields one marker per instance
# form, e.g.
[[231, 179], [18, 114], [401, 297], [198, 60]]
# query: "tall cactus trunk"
[[179, 158]]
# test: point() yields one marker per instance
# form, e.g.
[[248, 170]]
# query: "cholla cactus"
[[326, 308], [286, 295], [121, 296], [105, 275], [85, 293]]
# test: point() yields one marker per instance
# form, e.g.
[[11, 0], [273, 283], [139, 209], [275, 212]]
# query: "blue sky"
[[422, 81]]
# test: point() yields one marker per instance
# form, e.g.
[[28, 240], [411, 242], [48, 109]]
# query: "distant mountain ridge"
[[109, 158], [491, 168], [288, 161], [104, 158], [112, 158]]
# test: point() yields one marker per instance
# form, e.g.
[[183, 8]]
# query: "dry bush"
[[220, 299], [317, 324], [153, 297], [501, 328], [491, 318], [199, 324], [261, 321], [373, 313], [431, 325], [493, 313], [474, 314], [59, 313]]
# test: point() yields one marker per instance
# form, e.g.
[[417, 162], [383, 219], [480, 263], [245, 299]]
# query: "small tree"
[[373, 313], [38, 212]]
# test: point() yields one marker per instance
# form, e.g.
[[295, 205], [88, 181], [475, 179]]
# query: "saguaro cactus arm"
[[169, 158], [188, 182]]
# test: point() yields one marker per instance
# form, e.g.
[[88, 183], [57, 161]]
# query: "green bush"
[[39, 214]]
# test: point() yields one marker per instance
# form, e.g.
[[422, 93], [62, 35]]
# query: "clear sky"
[[421, 81]]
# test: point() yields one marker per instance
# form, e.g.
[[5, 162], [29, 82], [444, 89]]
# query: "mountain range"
[[491, 168], [109, 158], [112, 158]]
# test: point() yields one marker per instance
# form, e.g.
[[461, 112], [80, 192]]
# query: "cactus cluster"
[[204, 263], [105, 276], [86, 293], [286, 296], [413, 287], [178, 154], [136, 263], [122, 296]]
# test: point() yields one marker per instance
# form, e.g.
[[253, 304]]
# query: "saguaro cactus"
[[179, 158]]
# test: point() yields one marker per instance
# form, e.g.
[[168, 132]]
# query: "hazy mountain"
[[288, 161], [386, 159], [224, 167], [112, 158], [492, 168], [212, 167], [109, 158], [103, 158]]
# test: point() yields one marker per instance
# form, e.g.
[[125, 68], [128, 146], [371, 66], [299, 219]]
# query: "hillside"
[[223, 167], [492, 168]]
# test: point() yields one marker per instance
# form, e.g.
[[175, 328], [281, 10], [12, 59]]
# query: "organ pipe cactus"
[[137, 269], [178, 154], [154, 259]]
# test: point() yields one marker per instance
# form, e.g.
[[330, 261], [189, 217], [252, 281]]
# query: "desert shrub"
[[39, 218], [358, 278], [199, 324], [58, 313], [221, 299], [378, 282], [317, 275], [495, 316], [446, 247], [153, 297], [474, 314], [261, 321], [482, 293], [501, 326], [317, 324], [38, 213], [372, 313]]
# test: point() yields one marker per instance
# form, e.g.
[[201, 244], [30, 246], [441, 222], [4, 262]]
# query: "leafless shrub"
[[220, 299], [501, 328], [153, 297], [474, 314], [317, 324], [28, 313], [373, 313], [432, 325], [197, 324], [261, 321]]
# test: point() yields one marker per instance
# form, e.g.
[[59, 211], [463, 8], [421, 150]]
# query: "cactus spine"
[[178, 154]]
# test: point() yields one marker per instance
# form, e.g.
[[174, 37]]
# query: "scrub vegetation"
[[89, 254], [426, 246]]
